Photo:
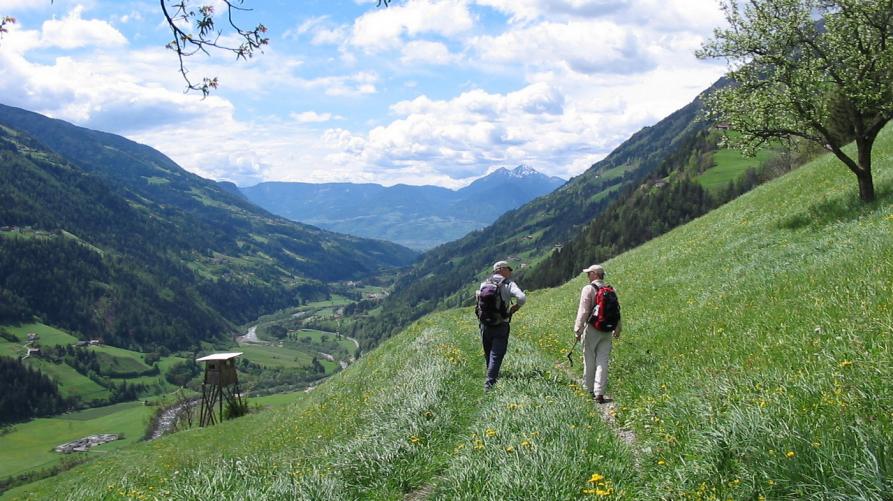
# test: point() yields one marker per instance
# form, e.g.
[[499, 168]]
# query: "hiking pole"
[[571, 352]]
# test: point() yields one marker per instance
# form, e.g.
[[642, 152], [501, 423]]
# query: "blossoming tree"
[[815, 69]]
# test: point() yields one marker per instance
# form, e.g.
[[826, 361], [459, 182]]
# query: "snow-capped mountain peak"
[[524, 171]]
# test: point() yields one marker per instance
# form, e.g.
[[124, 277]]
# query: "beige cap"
[[501, 264], [595, 267]]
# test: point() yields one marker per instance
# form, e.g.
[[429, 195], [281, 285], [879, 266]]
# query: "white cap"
[[501, 264], [595, 267]]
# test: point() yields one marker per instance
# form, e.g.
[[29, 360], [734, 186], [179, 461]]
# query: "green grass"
[[10, 349], [336, 300], [71, 382], [275, 356], [166, 362], [755, 363], [730, 165], [49, 336], [111, 364], [157, 181], [30, 445], [277, 400], [316, 336]]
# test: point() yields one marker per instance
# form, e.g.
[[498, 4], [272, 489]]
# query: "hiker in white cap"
[[597, 323], [494, 311]]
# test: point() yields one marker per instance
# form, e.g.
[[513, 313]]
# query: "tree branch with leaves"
[[821, 70], [195, 31]]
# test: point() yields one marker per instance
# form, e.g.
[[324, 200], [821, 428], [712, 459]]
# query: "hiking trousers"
[[495, 339], [596, 354]]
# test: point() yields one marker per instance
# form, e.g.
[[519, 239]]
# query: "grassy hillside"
[[755, 364]]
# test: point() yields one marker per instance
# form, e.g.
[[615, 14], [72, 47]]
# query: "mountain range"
[[419, 217]]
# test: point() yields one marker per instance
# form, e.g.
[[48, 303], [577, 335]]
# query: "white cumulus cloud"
[[382, 29], [427, 53], [72, 32]]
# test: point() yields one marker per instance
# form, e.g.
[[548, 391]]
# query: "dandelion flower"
[[596, 477], [661, 462], [790, 454]]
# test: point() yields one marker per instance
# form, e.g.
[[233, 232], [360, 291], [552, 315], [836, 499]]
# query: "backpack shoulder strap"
[[595, 289]]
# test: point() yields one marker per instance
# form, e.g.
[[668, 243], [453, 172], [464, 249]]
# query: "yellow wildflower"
[[510, 449], [596, 477], [490, 432], [845, 363], [790, 454]]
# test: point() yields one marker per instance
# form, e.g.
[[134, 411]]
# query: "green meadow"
[[755, 364], [275, 356], [321, 337], [29, 446], [48, 336], [71, 382], [730, 165]]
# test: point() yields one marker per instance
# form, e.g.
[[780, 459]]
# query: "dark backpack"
[[491, 309], [605, 310]]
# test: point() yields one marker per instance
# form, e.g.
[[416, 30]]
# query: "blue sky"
[[423, 92]]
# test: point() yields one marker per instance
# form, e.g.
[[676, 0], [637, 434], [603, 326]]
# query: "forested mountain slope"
[[754, 364], [112, 239]]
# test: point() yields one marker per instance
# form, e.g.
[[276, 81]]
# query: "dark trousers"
[[496, 342]]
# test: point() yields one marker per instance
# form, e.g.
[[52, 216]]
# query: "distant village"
[[84, 444], [33, 349]]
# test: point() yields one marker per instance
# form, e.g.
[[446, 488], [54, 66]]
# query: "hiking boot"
[[599, 399]]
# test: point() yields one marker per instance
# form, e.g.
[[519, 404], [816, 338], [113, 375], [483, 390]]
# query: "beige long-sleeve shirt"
[[587, 298]]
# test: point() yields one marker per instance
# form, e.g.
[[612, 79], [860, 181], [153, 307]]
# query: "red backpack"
[[605, 309]]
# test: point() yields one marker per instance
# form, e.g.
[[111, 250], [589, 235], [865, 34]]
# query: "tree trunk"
[[866, 183], [866, 186]]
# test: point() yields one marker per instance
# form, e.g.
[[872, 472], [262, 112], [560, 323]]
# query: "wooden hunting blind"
[[220, 387]]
